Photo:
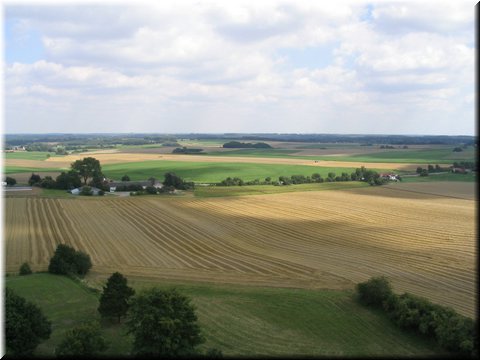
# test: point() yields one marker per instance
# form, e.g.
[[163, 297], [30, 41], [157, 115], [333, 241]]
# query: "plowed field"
[[329, 239]]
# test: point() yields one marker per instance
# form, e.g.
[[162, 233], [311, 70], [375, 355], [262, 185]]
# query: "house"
[[459, 170]]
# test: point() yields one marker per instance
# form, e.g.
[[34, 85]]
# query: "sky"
[[344, 67]]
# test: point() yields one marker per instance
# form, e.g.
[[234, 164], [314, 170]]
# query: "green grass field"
[[29, 155], [212, 171], [416, 156], [239, 320], [220, 191], [471, 177], [20, 169]]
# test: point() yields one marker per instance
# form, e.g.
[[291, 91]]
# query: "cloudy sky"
[[356, 67]]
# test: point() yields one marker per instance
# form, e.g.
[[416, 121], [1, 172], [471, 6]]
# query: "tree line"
[[452, 331], [360, 174]]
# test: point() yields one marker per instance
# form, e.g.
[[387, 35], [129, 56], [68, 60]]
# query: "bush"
[[152, 190], [34, 179], [83, 340], [125, 178], [25, 325], [86, 191], [25, 269], [375, 291], [10, 181], [48, 183], [66, 261]]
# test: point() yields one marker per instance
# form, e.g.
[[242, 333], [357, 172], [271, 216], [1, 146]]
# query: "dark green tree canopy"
[[163, 322], [68, 180], [89, 167], [25, 269], [25, 325], [375, 291], [115, 296], [83, 340], [66, 260]]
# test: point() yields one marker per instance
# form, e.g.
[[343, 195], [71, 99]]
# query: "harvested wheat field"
[[328, 239], [112, 157]]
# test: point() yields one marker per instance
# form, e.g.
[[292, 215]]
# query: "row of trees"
[[242, 145], [360, 174], [451, 330]]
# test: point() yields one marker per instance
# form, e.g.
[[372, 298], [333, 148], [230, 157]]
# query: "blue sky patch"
[[22, 46], [309, 57]]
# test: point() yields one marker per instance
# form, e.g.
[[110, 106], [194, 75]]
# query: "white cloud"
[[178, 66]]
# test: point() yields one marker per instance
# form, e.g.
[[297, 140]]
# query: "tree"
[[125, 178], [86, 191], [68, 180], [25, 325], [34, 179], [83, 340], [25, 269], [66, 261], [163, 322], [10, 181], [115, 296], [374, 291], [82, 262], [89, 167]]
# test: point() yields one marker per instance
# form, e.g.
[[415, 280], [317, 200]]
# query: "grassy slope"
[[240, 320], [219, 191], [212, 171]]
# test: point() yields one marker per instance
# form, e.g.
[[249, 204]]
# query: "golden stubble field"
[[114, 157], [331, 239]]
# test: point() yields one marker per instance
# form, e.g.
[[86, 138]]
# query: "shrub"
[[86, 191], [375, 291], [25, 325], [151, 190], [25, 269], [10, 181], [34, 179]]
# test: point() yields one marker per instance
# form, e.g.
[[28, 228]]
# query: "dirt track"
[[329, 239]]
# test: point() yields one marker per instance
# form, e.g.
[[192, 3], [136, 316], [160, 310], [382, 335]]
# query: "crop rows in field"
[[330, 239]]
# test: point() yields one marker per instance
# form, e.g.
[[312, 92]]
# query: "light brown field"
[[112, 158], [330, 239]]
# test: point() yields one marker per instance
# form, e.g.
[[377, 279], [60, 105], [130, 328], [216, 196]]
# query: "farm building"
[[77, 191], [114, 184], [392, 177]]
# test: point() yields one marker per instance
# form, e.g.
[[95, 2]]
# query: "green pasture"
[[29, 155], [221, 191], [239, 320], [424, 156], [20, 169], [415, 156], [210, 172], [470, 177]]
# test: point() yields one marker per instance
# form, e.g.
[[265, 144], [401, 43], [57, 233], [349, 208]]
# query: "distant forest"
[[106, 140]]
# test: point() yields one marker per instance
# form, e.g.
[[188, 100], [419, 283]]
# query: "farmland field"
[[425, 243], [240, 321]]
